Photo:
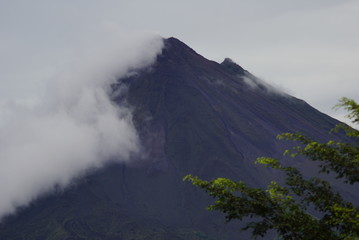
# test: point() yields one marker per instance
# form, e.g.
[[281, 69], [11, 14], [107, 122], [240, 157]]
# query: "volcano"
[[193, 116]]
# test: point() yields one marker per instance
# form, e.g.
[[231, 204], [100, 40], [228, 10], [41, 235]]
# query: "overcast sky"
[[308, 48]]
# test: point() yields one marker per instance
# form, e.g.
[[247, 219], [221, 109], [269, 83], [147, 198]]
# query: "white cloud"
[[56, 118]]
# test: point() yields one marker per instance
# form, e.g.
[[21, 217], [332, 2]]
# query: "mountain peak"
[[228, 61], [174, 40], [176, 44], [175, 47], [232, 67]]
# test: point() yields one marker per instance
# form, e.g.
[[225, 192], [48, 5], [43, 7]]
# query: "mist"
[[57, 121], [257, 83]]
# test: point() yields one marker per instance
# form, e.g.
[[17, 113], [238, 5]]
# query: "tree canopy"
[[289, 208]]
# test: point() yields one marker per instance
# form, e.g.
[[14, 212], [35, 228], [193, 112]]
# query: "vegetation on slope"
[[302, 208]]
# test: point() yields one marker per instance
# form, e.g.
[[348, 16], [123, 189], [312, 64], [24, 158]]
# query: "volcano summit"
[[193, 116]]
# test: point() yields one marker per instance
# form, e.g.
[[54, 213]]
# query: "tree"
[[287, 208]]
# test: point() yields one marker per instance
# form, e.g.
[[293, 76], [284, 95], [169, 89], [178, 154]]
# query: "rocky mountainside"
[[194, 116]]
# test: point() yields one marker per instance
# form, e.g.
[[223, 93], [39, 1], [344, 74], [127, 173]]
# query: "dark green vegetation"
[[193, 116], [286, 208]]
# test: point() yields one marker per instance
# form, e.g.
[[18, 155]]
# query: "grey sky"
[[309, 48]]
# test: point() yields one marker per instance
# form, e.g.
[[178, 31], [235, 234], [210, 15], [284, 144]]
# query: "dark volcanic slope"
[[208, 114], [194, 116]]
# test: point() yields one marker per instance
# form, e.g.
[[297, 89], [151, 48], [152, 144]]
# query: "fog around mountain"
[[55, 130]]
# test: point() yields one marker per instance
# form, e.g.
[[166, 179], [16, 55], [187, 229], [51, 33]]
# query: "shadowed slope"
[[193, 116]]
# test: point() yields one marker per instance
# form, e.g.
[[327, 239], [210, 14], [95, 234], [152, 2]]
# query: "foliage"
[[287, 208]]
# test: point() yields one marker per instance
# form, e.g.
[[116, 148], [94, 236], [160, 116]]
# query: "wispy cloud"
[[58, 124]]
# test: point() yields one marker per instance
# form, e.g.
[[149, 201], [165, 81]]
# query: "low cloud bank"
[[67, 125]]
